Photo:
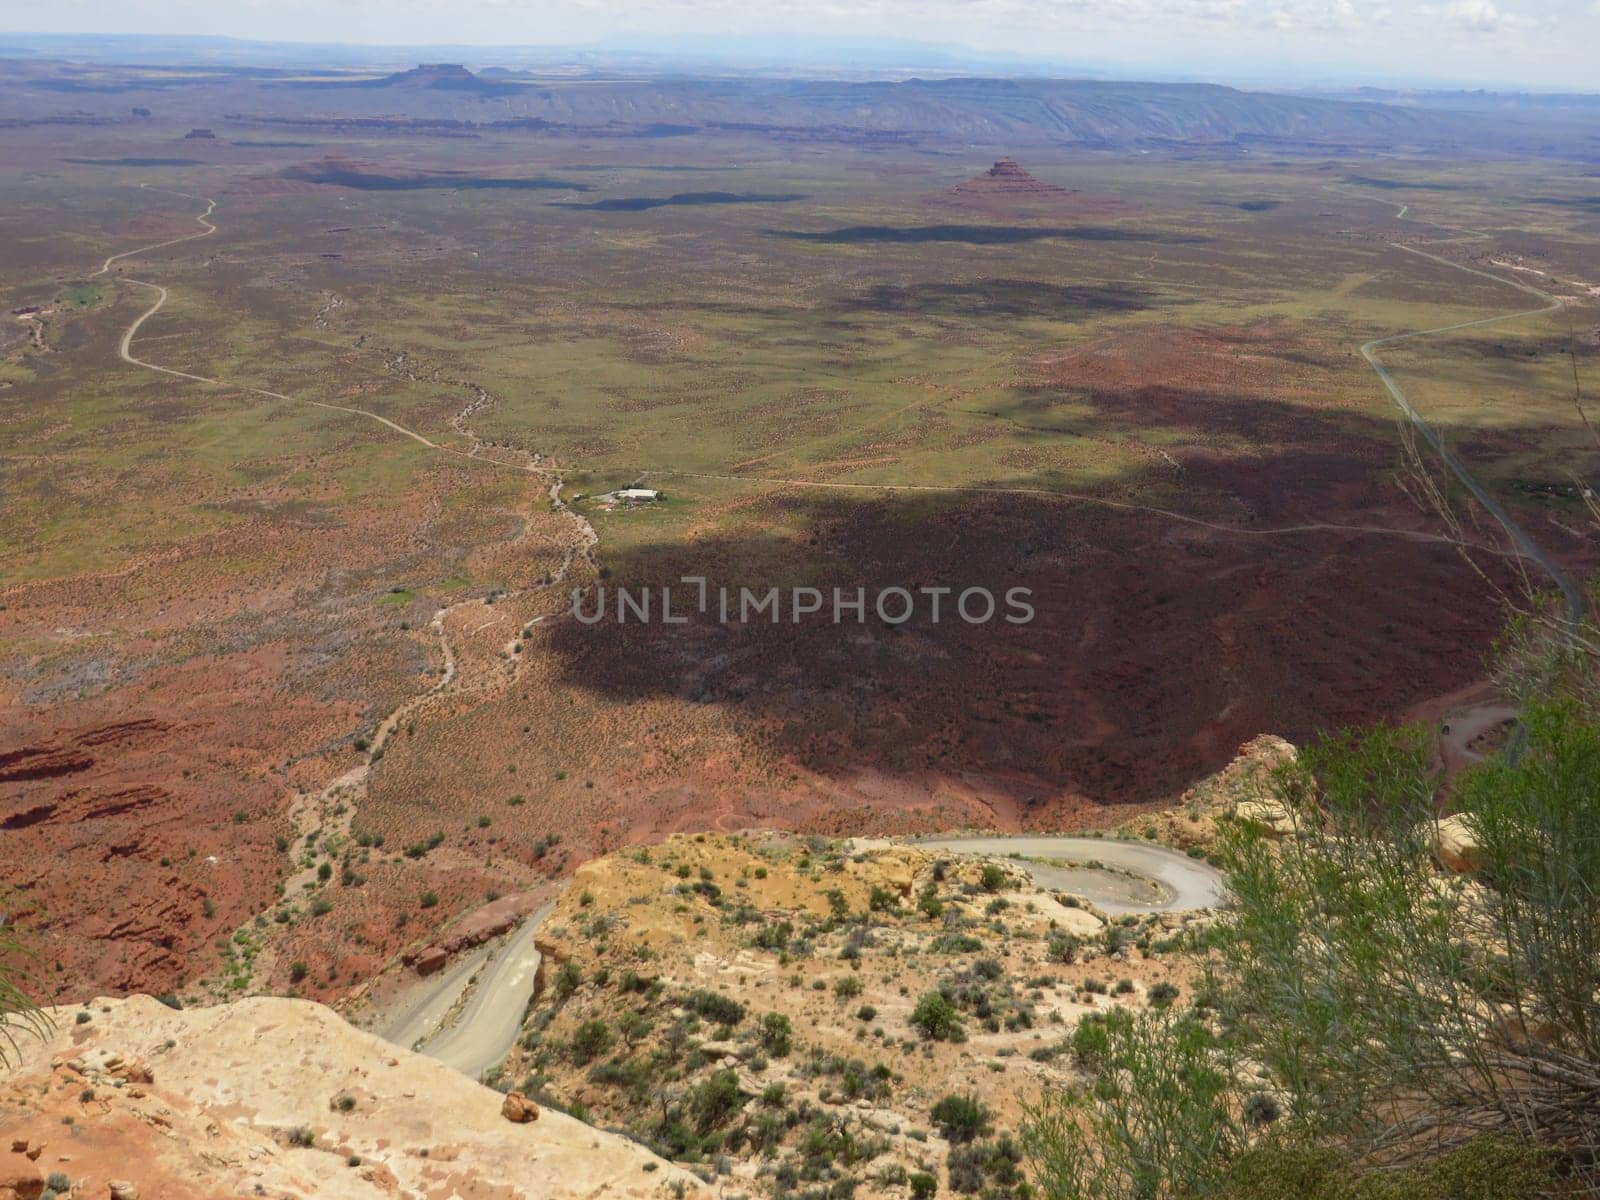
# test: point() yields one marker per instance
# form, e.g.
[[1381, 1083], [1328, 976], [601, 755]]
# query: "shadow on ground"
[[1157, 647]]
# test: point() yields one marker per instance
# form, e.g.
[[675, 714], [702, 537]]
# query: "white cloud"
[[1480, 16]]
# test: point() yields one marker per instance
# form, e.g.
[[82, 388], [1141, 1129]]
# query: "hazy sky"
[[1541, 43]]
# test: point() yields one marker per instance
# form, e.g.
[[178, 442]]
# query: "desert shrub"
[[969, 1164], [1090, 1044], [992, 878], [715, 1007], [964, 1168], [937, 1020], [1062, 948], [955, 943], [568, 977], [589, 1041], [960, 1118], [1155, 1124], [1368, 974], [632, 1026], [923, 1185], [1162, 993], [776, 1035], [1402, 1013], [847, 987], [714, 1100], [774, 936]]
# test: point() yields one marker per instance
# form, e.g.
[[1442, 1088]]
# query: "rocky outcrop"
[[281, 1097], [1243, 790], [477, 927]]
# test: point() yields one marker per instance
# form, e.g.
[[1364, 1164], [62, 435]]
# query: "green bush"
[[714, 1100], [1162, 994], [1405, 1015], [713, 1006], [589, 1041], [776, 1035], [936, 1018], [1062, 948], [960, 1118]]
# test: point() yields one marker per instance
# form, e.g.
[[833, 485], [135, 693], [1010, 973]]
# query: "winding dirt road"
[[332, 810], [470, 1018], [1184, 883]]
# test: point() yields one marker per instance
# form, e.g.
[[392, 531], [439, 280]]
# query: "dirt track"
[[1186, 883]]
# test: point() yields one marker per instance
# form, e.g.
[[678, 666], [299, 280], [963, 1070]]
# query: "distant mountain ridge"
[[1009, 111], [967, 111]]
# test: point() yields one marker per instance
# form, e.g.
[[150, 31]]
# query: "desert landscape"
[[330, 395]]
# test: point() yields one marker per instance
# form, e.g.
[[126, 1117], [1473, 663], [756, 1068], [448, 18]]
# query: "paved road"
[[1186, 883], [486, 1027]]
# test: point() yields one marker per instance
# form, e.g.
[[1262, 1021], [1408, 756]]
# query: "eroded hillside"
[[793, 1016]]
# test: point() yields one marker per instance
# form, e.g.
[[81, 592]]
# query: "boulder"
[[518, 1109], [430, 960], [1455, 845], [121, 1189]]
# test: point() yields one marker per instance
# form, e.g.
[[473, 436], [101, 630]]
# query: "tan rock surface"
[[1455, 845], [242, 1088], [1269, 816]]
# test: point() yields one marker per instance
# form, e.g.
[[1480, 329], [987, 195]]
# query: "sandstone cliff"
[[282, 1098]]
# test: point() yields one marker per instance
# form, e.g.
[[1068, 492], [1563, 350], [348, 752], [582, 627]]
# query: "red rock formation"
[[1007, 179]]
